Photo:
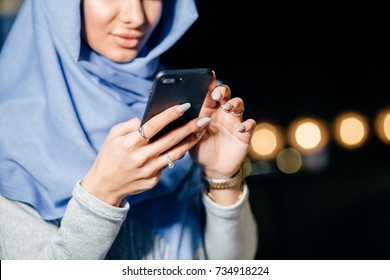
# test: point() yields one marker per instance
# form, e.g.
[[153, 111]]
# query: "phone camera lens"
[[169, 81]]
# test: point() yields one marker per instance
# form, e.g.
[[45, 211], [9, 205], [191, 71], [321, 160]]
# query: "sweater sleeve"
[[87, 229], [231, 231]]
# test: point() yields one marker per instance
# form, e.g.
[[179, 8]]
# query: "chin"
[[122, 56]]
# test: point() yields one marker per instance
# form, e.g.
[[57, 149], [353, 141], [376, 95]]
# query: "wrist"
[[95, 189], [223, 175], [226, 183], [225, 197], [228, 191], [230, 182]]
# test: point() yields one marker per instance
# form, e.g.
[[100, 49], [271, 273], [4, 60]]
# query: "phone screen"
[[175, 87]]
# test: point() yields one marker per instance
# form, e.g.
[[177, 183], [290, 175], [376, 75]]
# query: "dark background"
[[293, 59]]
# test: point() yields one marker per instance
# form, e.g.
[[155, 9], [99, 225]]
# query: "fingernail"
[[227, 106], [183, 107], [200, 134], [216, 95], [241, 128], [203, 121]]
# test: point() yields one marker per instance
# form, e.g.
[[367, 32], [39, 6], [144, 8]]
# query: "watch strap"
[[233, 181]]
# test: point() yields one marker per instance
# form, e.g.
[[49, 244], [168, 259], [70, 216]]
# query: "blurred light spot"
[[266, 142], [289, 161], [382, 125], [351, 129], [308, 135]]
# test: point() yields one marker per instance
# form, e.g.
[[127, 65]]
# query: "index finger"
[[161, 120]]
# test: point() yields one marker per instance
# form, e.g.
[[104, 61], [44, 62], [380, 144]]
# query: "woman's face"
[[118, 29]]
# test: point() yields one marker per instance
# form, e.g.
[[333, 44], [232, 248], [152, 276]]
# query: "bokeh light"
[[351, 129], [382, 125], [308, 135], [289, 161], [267, 141]]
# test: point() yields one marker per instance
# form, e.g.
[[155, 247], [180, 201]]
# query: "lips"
[[126, 41]]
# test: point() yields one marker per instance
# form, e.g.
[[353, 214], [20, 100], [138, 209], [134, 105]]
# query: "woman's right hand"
[[129, 163]]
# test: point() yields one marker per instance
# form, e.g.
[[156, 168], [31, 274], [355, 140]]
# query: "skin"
[[128, 164], [119, 29]]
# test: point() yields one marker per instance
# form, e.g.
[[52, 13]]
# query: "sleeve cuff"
[[98, 206], [227, 211]]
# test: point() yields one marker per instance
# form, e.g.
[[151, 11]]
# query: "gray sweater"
[[90, 226]]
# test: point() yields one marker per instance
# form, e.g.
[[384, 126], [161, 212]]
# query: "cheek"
[[97, 18], [153, 13]]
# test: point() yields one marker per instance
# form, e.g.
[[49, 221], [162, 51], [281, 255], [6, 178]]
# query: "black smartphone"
[[174, 87]]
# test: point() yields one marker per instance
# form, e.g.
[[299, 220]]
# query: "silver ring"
[[142, 133], [200, 134], [170, 162]]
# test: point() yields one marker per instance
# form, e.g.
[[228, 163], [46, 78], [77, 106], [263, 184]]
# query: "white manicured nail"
[[227, 106], [216, 95], [183, 107], [241, 128], [203, 121]]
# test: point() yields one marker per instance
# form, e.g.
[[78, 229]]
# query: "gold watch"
[[236, 179]]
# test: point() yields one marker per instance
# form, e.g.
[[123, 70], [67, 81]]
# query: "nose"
[[132, 12]]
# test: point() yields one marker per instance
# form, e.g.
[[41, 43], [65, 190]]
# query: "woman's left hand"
[[225, 141]]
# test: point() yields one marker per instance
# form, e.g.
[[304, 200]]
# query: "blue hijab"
[[59, 99]]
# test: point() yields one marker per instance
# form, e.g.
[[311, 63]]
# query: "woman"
[[79, 178]]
